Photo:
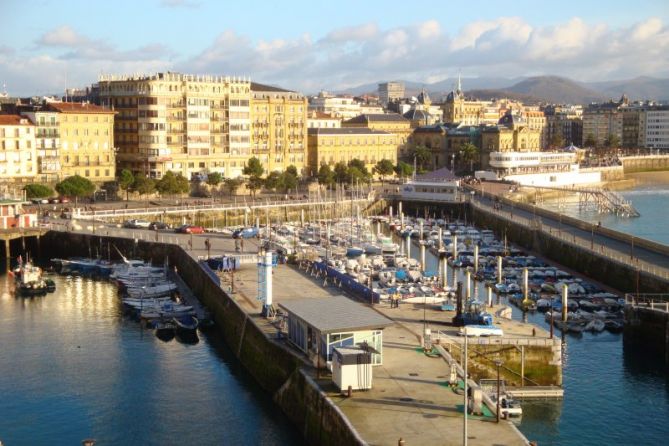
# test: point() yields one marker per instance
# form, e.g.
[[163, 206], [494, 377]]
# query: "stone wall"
[[633, 164], [648, 328]]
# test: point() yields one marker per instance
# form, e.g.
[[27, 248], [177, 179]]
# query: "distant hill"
[[547, 89], [639, 88], [487, 94], [557, 90]]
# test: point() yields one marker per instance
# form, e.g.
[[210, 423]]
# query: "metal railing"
[[658, 302]]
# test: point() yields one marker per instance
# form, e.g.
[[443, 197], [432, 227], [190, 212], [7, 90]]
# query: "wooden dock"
[[528, 392]]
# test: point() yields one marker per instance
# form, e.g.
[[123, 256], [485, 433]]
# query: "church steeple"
[[459, 89]]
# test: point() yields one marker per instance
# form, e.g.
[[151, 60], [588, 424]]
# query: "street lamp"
[[498, 363]]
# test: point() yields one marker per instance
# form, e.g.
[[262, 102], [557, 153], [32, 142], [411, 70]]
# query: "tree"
[[253, 168], [383, 168], [125, 181], [171, 184], [214, 178], [341, 172], [287, 181], [469, 153], [272, 181], [75, 186], [403, 170], [590, 140], [326, 176], [232, 184], [144, 185], [355, 175], [254, 184], [613, 141], [557, 141], [422, 155], [358, 164], [293, 171], [38, 191]]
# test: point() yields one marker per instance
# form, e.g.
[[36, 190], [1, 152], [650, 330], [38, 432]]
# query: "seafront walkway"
[[594, 240], [410, 398]]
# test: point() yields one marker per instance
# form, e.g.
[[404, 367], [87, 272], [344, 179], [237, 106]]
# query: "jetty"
[[599, 199]]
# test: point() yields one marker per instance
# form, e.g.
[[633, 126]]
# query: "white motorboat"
[[155, 291]]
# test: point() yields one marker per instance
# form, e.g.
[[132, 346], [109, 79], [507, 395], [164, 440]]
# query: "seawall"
[[277, 369], [648, 328], [623, 276], [633, 164]]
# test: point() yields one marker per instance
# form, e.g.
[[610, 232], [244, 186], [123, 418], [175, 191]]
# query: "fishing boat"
[[165, 330], [152, 291], [29, 279], [186, 324]]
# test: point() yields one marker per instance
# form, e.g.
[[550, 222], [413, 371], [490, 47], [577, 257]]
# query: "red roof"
[[14, 120], [77, 107]]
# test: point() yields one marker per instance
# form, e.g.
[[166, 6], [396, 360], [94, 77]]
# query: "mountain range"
[[537, 89]]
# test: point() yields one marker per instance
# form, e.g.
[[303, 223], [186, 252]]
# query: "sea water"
[[72, 366]]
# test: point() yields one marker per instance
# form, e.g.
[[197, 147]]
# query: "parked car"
[[40, 201], [64, 200], [54, 200], [136, 224], [190, 229], [156, 225], [249, 232]]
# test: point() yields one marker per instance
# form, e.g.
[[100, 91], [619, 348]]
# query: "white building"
[[654, 128], [541, 168], [343, 107]]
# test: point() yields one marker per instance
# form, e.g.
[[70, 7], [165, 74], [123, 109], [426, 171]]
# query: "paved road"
[[646, 260]]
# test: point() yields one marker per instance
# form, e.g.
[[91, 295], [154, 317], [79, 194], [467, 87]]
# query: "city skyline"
[[298, 46]]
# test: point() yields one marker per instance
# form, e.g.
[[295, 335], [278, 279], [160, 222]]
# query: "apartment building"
[[654, 127], [600, 121], [565, 122], [86, 133], [390, 123], [278, 127], [47, 138], [318, 120], [183, 123], [333, 145], [390, 91], [18, 156]]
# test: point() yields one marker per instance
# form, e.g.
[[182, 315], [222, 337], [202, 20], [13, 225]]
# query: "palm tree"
[[469, 152]]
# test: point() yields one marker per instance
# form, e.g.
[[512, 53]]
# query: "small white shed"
[[352, 367]]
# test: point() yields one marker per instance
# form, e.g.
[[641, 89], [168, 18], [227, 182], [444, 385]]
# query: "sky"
[[46, 46]]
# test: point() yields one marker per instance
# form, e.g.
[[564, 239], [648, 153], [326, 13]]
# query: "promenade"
[[594, 240]]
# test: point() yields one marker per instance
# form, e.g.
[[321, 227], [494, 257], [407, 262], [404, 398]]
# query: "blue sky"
[[309, 45]]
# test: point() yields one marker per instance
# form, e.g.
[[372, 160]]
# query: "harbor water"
[[72, 366], [650, 196], [613, 394]]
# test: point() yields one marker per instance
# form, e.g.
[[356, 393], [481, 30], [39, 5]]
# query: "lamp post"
[[498, 363], [464, 379]]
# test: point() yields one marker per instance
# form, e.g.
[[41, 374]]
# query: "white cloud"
[[349, 56], [179, 4]]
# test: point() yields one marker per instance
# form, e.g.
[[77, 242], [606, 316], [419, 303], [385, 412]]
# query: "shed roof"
[[335, 314]]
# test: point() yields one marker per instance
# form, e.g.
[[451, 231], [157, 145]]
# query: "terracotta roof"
[[14, 120], [77, 107], [321, 115]]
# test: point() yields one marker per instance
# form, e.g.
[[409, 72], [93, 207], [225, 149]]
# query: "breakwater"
[[280, 372], [647, 327], [633, 164]]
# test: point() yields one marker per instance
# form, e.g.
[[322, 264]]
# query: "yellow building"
[[278, 127], [183, 123], [390, 123], [333, 145], [86, 140], [18, 160], [512, 134]]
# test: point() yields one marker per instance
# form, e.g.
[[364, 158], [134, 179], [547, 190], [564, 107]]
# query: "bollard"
[[349, 392], [400, 442]]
